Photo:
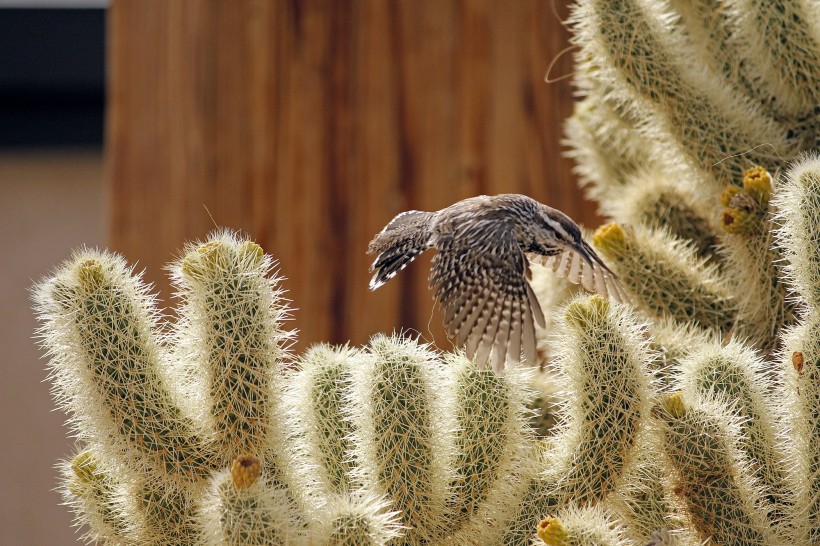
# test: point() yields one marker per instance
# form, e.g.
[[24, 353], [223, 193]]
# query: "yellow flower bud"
[[552, 532], [245, 470], [611, 239], [758, 183]]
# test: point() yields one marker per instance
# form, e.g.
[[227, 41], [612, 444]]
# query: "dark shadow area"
[[52, 77]]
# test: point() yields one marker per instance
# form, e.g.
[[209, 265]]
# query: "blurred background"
[[307, 124]]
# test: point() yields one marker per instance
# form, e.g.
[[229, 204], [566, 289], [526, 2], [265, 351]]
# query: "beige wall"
[[50, 202]]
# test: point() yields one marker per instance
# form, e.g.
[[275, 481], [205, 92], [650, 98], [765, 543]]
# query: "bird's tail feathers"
[[399, 243]]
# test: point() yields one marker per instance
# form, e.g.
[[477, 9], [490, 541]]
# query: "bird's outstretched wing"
[[582, 266], [405, 237], [480, 281]]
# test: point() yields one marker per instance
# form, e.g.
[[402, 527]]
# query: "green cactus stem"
[[797, 202], [402, 449], [358, 520], [607, 149], [242, 507], [317, 396], [660, 201], [642, 503], [800, 367], [736, 378], [665, 278], [98, 325], [164, 513], [752, 263], [709, 475], [229, 303], [787, 56], [533, 500], [492, 440], [93, 496], [603, 360]]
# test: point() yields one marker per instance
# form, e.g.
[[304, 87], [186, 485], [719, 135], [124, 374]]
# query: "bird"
[[481, 272]]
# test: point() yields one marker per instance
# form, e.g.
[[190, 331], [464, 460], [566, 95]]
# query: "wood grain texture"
[[308, 124]]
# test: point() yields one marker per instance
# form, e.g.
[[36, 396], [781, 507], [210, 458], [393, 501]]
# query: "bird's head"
[[553, 226]]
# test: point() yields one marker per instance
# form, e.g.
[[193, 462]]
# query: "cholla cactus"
[[605, 366], [692, 415], [240, 508], [686, 109], [402, 447], [666, 278], [207, 436], [710, 476], [135, 403]]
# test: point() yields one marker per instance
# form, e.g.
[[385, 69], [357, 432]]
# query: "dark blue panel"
[[52, 77]]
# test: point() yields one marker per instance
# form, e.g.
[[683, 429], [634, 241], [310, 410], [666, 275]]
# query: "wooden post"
[[308, 124]]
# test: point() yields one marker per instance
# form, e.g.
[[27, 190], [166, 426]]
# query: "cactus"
[[659, 201], [707, 92], [360, 520], [603, 361], [735, 377], [641, 60], [316, 397], [228, 305], [642, 504], [691, 415], [100, 325], [92, 493], [402, 449], [797, 202], [710, 476], [798, 206], [492, 440], [608, 150], [665, 277], [800, 366], [395, 442], [243, 507], [603, 366]]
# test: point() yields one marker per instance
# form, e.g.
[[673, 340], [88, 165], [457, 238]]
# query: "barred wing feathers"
[[488, 303], [584, 268]]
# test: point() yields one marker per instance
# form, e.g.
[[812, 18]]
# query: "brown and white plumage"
[[480, 275]]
